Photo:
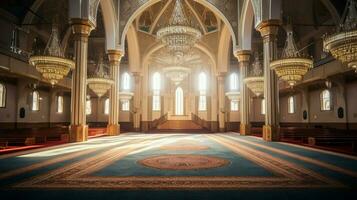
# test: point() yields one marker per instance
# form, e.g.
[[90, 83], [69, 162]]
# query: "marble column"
[[78, 129], [113, 127], [243, 57], [137, 99], [221, 102], [269, 30]]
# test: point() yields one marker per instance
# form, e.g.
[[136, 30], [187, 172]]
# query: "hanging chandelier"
[[255, 82], [292, 66], [179, 36], [53, 66], [100, 82], [343, 44], [176, 73]]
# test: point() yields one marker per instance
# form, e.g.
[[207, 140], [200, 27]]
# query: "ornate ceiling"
[[158, 15]]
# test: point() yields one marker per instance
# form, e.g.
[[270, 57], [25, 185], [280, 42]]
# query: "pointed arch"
[[179, 102]]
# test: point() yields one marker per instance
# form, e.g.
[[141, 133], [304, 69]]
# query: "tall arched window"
[[234, 105], [202, 103], [202, 87], [179, 101], [106, 106], [88, 107], [126, 81], [156, 86], [291, 105], [202, 82], [325, 100], [233, 81], [35, 101], [59, 104], [2, 95], [125, 105], [263, 108], [156, 81]]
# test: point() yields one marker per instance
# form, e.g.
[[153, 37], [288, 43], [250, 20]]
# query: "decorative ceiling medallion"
[[184, 162], [343, 44], [292, 66], [53, 66]]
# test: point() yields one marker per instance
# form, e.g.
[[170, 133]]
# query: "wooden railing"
[[159, 121]]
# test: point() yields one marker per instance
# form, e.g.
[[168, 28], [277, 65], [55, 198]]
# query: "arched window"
[[233, 81], [156, 81], [156, 86], [325, 100], [202, 103], [263, 108], [35, 101], [291, 105], [59, 104], [2, 95], [126, 81], [234, 105], [179, 101], [156, 103], [88, 107], [202, 82], [125, 105], [106, 106]]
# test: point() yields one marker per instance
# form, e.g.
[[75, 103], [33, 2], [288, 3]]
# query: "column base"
[[78, 133], [113, 129], [222, 130], [214, 126], [244, 129], [145, 126], [271, 133]]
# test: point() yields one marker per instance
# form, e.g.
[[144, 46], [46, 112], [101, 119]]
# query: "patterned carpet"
[[178, 166]]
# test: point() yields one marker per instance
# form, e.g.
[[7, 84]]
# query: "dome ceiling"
[[158, 15]]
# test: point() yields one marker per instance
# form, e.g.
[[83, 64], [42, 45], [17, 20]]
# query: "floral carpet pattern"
[[171, 162]]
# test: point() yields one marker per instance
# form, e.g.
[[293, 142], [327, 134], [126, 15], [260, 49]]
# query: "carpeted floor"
[[178, 166]]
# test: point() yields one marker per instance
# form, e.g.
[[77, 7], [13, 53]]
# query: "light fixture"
[[343, 44], [53, 66], [292, 66], [179, 36], [100, 82], [176, 73], [255, 81]]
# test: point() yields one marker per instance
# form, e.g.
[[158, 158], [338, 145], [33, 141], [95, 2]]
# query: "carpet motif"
[[184, 162], [80, 174]]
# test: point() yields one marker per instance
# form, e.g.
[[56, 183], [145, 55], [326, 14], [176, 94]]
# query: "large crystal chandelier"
[[292, 66], [100, 82], [255, 82], [343, 44], [53, 66], [176, 73], [179, 35]]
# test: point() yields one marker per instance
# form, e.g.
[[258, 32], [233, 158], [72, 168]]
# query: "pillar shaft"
[[221, 103], [113, 127], [79, 129], [243, 57], [137, 99], [269, 30]]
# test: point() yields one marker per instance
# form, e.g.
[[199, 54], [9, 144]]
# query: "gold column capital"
[[115, 56], [81, 27], [243, 55], [268, 27]]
